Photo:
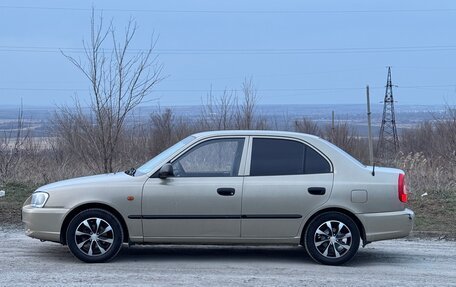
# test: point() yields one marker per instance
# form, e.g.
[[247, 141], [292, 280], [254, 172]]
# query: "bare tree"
[[162, 129], [345, 136], [445, 130], [421, 138], [12, 145], [228, 112], [167, 129], [120, 81], [217, 112], [245, 115], [436, 139], [308, 126]]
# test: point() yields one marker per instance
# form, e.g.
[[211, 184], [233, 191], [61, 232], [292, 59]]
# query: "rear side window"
[[285, 157], [315, 163]]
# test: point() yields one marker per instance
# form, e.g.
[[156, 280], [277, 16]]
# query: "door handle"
[[226, 191], [316, 190]]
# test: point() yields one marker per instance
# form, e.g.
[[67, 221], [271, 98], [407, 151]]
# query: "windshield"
[[148, 166]]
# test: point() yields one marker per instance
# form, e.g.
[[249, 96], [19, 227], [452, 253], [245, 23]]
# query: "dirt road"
[[25, 261]]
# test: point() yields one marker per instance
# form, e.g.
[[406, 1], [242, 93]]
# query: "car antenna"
[[373, 169]]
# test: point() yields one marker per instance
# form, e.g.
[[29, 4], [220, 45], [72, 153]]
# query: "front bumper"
[[43, 223], [387, 225]]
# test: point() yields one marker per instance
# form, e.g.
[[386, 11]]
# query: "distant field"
[[37, 118], [38, 142]]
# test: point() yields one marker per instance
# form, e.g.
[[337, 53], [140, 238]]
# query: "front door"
[[202, 198]]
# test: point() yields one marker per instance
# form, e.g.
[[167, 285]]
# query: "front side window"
[[285, 157], [213, 158]]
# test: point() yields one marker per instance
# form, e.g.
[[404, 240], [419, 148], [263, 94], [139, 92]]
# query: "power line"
[[427, 86], [186, 90], [200, 11], [255, 51], [236, 90]]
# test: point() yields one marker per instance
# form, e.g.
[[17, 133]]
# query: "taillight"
[[402, 188]]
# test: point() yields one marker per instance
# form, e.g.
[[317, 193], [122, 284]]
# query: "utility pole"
[[333, 128], [388, 141], [369, 128]]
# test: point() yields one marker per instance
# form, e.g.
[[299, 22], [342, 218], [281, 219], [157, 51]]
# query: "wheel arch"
[[86, 206], [350, 214]]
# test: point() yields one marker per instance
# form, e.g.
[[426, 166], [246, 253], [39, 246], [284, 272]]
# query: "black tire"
[[94, 236], [332, 246]]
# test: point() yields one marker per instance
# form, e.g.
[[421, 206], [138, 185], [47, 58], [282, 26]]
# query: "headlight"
[[39, 199]]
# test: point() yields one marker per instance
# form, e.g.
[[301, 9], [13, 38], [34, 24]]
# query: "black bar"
[[184, 216], [271, 216], [245, 216]]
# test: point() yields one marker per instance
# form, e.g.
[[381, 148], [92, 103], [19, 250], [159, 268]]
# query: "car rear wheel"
[[94, 236], [332, 238]]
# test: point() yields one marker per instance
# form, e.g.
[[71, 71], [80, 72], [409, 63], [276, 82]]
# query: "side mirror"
[[166, 171]]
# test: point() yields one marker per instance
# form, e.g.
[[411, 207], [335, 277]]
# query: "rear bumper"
[[387, 225], [43, 223]]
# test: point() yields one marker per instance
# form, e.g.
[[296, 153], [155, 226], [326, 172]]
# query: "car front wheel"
[[332, 238], [94, 236]]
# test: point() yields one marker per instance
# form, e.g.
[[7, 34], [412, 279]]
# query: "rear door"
[[287, 179]]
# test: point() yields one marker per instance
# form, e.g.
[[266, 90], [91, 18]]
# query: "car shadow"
[[214, 253], [53, 252], [230, 253], [373, 256], [227, 254]]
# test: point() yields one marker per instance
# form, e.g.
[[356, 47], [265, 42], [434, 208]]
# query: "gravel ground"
[[25, 261]]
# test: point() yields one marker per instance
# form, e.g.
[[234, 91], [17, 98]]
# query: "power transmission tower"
[[388, 142]]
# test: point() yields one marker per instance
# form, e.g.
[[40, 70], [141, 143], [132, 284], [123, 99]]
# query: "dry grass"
[[432, 187], [435, 214], [11, 203]]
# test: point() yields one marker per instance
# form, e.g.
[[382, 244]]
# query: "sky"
[[295, 52]]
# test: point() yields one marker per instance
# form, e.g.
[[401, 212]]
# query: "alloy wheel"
[[94, 236], [333, 239]]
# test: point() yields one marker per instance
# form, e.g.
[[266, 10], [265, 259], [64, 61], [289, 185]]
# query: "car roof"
[[253, 133]]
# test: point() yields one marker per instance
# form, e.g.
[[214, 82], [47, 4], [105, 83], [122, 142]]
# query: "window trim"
[[249, 154]]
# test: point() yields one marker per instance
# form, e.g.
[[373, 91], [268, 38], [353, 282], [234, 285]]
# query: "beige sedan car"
[[228, 187]]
